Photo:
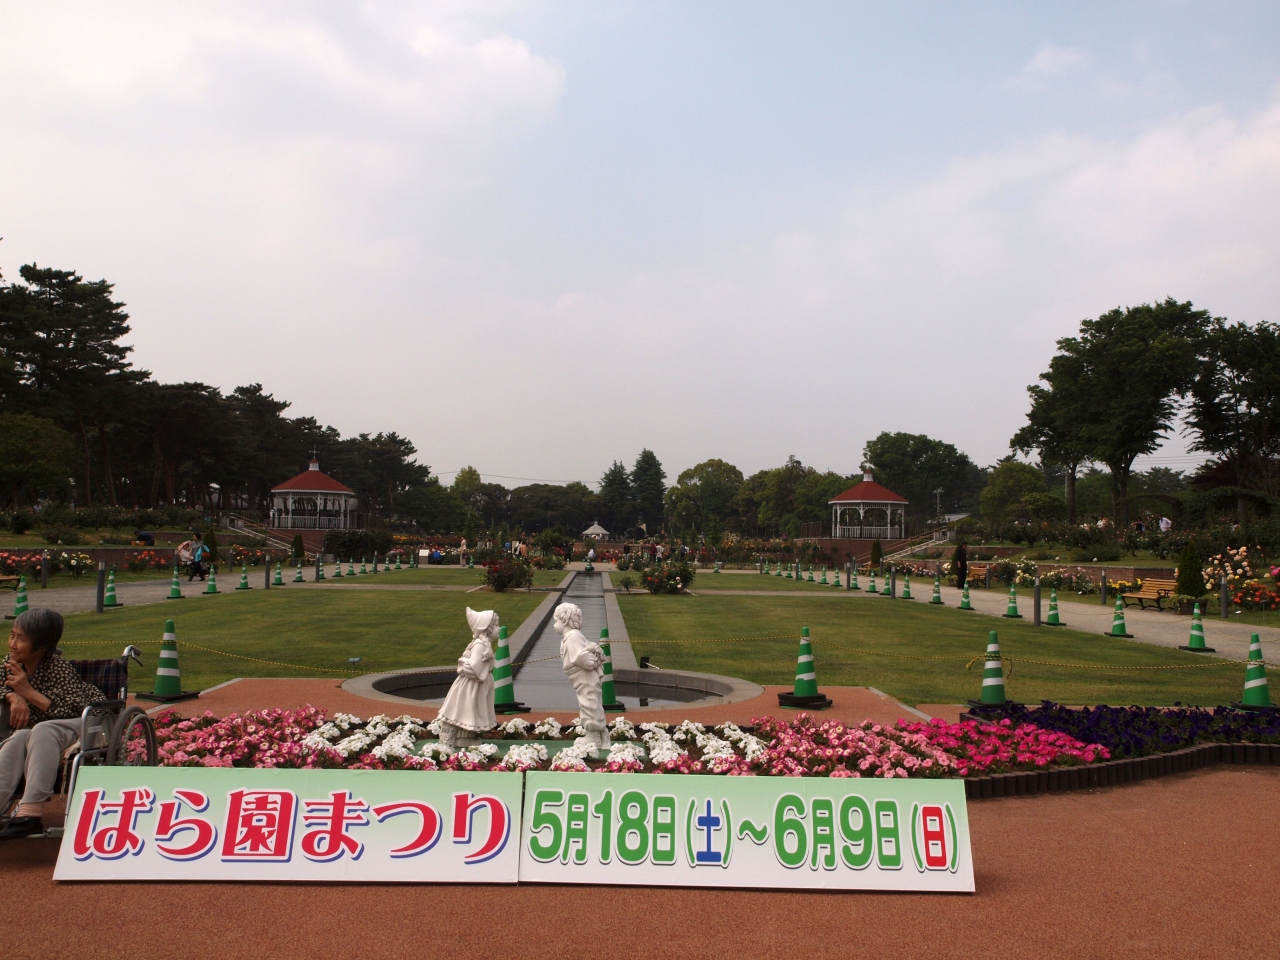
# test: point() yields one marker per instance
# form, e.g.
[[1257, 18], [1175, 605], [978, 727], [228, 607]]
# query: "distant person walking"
[[962, 564], [198, 552]]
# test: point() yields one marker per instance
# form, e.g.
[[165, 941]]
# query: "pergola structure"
[[849, 511], [313, 501], [595, 531]]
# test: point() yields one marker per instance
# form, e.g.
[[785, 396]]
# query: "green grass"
[[301, 629], [90, 579], [34, 539], [706, 580], [843, 631], [450, 576]]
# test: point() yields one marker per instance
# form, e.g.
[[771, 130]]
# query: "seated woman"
[[45, 698]]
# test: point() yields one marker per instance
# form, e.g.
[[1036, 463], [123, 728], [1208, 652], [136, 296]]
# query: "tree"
[[36, 456], [432, 506], [61, 335], [1190, 573], [703, 494], [616, 500], [1132, 363], [1055, 424], [649, 486], [1010, 482], [914, 466], [1234, 409], [541, 506]]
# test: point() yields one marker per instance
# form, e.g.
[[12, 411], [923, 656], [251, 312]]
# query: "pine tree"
[[649, 488], [877, 553], [299, 548]]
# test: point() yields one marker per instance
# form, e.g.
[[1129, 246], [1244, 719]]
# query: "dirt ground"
[[1184, 866]]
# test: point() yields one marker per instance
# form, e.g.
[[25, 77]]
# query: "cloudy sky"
[[537, 237]]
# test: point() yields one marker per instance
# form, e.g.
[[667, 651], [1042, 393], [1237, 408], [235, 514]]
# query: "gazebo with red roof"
[[313, 501], [853, 504]]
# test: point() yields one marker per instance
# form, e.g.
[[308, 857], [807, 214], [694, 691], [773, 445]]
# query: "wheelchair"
[[113, 732]]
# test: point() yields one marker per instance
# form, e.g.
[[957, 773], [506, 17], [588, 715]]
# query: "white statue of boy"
[[583, 662], [468, 709]]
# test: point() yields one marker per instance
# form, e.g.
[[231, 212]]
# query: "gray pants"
[[36, 753]]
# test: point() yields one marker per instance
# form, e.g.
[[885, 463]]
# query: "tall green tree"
[[1133, 364], [648, 482], [616, 500], [1010, 483], [703, 494], [1234, 409], [1056, 421], [916, 466]]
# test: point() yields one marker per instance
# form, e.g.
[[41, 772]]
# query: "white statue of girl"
[[467, 711], [583, 662]]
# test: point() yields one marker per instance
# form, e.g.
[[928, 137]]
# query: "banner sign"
[[793, 832], [196, 823]]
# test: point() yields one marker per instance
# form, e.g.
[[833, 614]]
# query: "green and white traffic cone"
[[853, 579], [351, 566], [279, 578], [1012, 610], [886, 585], [364, 566], [937, 590], [1196, 643], [168, 679], [471, 562], [777, 572], [297, 577], [109, 600], [805, 693], [1054, 620], [175, 589], [1117, 622], [504, 691], [872, 587], [244, 578], [337, 568], [906, 586], [788, 571], [607, 697], [824, 574], [992, 676], [20, 601], [397, 561], [964, 596], [319, 568], [1256, 694], [211, 587], [836, 581]]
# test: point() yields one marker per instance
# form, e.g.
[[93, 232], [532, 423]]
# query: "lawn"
[[864, 643], [706, 580], [90, 578], [311, 633], [454, 576]]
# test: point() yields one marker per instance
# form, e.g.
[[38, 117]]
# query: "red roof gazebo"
[[849, 512], [313, 501]]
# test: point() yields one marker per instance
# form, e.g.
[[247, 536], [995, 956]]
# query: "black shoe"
[[20, 827]]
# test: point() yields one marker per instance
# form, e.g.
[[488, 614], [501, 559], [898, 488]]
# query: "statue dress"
[[583, 662], [468, 708]]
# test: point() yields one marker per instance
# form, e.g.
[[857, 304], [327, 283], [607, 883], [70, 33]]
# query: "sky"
[[539, 237]]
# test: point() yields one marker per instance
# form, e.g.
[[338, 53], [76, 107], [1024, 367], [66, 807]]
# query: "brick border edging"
[[1113, 772]]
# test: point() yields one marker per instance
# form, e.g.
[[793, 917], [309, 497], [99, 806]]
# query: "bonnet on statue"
[[480, 621]]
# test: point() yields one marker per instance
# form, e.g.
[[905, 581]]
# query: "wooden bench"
[[1157, 591], [976, 572], [9, 581]]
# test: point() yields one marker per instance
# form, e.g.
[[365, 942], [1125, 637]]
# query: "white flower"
[[515, 728], [524, 755], [573, 757], [548, 729], [433, 727], [435, 751], [688, 730], [345, 720], [624, 728], [626, 751]]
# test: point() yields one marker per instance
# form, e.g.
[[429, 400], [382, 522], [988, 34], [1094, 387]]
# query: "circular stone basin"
[[635, 689]]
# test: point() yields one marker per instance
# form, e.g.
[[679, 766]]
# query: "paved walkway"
[[540, 679]]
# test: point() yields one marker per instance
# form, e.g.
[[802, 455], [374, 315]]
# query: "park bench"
[[1157, 591], [9, 581], [977, 572]]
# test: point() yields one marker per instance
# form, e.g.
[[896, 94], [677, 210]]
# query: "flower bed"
[[1146, 731], [801, 747]]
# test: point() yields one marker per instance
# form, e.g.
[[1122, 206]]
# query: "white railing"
[[307, 523], [869, 533]]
